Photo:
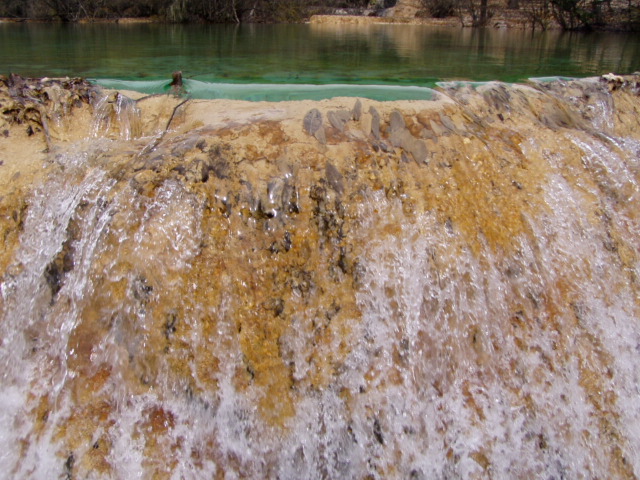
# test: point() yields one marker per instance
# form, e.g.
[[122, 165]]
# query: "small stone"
[[396, 121], [321, 136], [447, 122], [220, 168], [400, 136], [338, 119], [177, 86], [497, 97], [169, 326], [15, 81], [287, 241], [334, 177], [375, 123], [176, 79], [312, 121], [417, 148], [356, 113], [384, 147], [377, 431], [614, 81]]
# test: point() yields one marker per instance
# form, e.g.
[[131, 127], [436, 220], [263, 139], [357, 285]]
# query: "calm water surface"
[[396, 55]]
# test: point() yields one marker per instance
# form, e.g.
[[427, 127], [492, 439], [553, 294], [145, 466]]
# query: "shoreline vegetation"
[[570, 15]]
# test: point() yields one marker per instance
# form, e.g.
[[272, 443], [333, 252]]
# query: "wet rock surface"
[[38, 103], [443, 288]]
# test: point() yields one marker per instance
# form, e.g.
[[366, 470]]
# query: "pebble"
[[312, 121], [396, 121], [335, 179], [338, 119], [375, 123], [356, 113]]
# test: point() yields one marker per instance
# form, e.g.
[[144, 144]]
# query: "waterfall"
[[431, 289]]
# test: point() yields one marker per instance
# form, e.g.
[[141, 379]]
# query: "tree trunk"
[[483, 12], [234, 11]]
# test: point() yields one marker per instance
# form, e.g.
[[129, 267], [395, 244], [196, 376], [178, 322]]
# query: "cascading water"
[[436, 289]]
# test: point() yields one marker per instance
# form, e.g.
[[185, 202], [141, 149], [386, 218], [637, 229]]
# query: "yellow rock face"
[[423, 289]]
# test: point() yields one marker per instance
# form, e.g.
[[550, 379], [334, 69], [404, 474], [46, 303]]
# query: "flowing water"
[[245, 301], [254, 61]]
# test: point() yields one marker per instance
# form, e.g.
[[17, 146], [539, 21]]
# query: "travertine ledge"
[[344, 288]]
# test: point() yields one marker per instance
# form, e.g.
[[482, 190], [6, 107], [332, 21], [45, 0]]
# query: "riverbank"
[[617, 15], [499, 20], [503, 19], [120, 20]]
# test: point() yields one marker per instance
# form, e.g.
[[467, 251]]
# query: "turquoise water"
[[286, 61], [273, 92]]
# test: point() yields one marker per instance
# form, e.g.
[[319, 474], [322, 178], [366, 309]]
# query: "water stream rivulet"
[[434, 289]]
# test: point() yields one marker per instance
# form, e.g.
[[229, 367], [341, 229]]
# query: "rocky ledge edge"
[[39, 114]]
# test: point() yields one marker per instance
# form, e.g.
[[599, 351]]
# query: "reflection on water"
[[366, 54]]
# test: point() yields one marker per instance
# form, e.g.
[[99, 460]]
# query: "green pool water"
[[276, 62]]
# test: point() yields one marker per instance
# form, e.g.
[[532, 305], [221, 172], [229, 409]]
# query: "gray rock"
[[356, 113], [396, 121], [417, 148], [335, 179], [400, 137], [375, 123], [497, 97], [312, 121], [338, 119], [447, 122], [220, 168], [321, 136], [384, 147]]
